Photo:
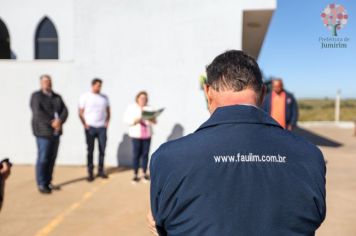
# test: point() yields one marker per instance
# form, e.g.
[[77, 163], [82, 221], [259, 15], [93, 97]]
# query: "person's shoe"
[[44, 189], [103, 175], [90, 178], [135, 180], [146, 178], [54, 187]]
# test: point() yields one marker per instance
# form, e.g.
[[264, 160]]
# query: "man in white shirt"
[[94, 112]]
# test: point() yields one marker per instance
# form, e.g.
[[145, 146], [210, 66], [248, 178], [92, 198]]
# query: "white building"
[[158, 46]]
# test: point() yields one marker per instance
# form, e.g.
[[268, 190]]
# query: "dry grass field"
[[324, 109]]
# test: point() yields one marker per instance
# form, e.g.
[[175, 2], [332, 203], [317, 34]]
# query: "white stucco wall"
[[22, 18], [159, 46]]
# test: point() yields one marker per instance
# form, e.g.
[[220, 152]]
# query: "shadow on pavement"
[[72, 181], [115, 170], [109, 171], [316, 138]]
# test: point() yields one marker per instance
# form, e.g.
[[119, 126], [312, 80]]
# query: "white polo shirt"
[[95, 108]]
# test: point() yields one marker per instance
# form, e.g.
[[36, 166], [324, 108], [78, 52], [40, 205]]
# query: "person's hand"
[[5, 170], [151, 224], [290, 127], [56, 124], [86, 126], [106, 124], [137, 121], [153, 120]]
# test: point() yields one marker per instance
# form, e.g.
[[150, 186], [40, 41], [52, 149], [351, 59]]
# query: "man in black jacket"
[[49, 114]]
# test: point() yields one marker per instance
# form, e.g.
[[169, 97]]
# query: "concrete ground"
[[340, 181], [116, 207]]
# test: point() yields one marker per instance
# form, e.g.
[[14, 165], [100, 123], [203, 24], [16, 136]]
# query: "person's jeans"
[[141, 148], [91, 134], [47, 154]]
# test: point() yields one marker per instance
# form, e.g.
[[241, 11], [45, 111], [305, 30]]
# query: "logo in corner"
[[334, 17]]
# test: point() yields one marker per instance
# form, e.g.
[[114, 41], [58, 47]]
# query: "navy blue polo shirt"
[[240, 173]]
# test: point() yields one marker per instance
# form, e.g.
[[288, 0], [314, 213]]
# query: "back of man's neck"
[[245, 97]]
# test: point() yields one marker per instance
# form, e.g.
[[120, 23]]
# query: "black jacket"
[[43, 109]]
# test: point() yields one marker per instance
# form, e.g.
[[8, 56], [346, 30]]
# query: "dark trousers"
[[47, 154], [141, 148], [91, 134]]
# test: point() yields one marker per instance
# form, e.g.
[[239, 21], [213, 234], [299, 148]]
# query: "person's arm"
[[82, 119], [81, 111], [64, 112], [107, 117], [158, 207], [151, 223], [36, 109], [62, 116], [294, 111], [129, 117], [320, 177]]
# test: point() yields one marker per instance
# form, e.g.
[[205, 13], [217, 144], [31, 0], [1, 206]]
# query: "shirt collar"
[[47, 93], [247, 114], [280, 94]]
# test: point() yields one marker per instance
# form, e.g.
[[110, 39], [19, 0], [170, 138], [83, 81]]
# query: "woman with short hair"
[[140, 132]]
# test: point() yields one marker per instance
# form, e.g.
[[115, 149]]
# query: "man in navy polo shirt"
[[240, 173]]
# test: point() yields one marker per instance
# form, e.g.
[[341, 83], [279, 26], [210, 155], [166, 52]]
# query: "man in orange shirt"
[[281, 105]]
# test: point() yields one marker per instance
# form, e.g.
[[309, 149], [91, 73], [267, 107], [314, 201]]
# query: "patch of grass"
[[324, 109]]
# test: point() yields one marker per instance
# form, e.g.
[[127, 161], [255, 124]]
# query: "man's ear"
[[208, 92], [208, 95]]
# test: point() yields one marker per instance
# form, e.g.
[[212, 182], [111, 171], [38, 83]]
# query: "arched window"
[[5, 52], [46, 40]]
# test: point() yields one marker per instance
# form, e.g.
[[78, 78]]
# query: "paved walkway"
[[341, 181], [104, 207], [116, 207]]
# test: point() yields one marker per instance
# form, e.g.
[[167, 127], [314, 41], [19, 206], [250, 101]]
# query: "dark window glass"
[[46, 41], [5, 52]]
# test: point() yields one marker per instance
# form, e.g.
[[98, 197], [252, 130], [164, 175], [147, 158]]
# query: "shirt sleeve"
[[321, 177], [64, 111], [107, 101], [171, 191], [294, 107], [155, 190], [129, 116], [164, 186]]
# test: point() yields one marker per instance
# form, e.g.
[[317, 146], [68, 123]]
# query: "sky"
[[292, 51]]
